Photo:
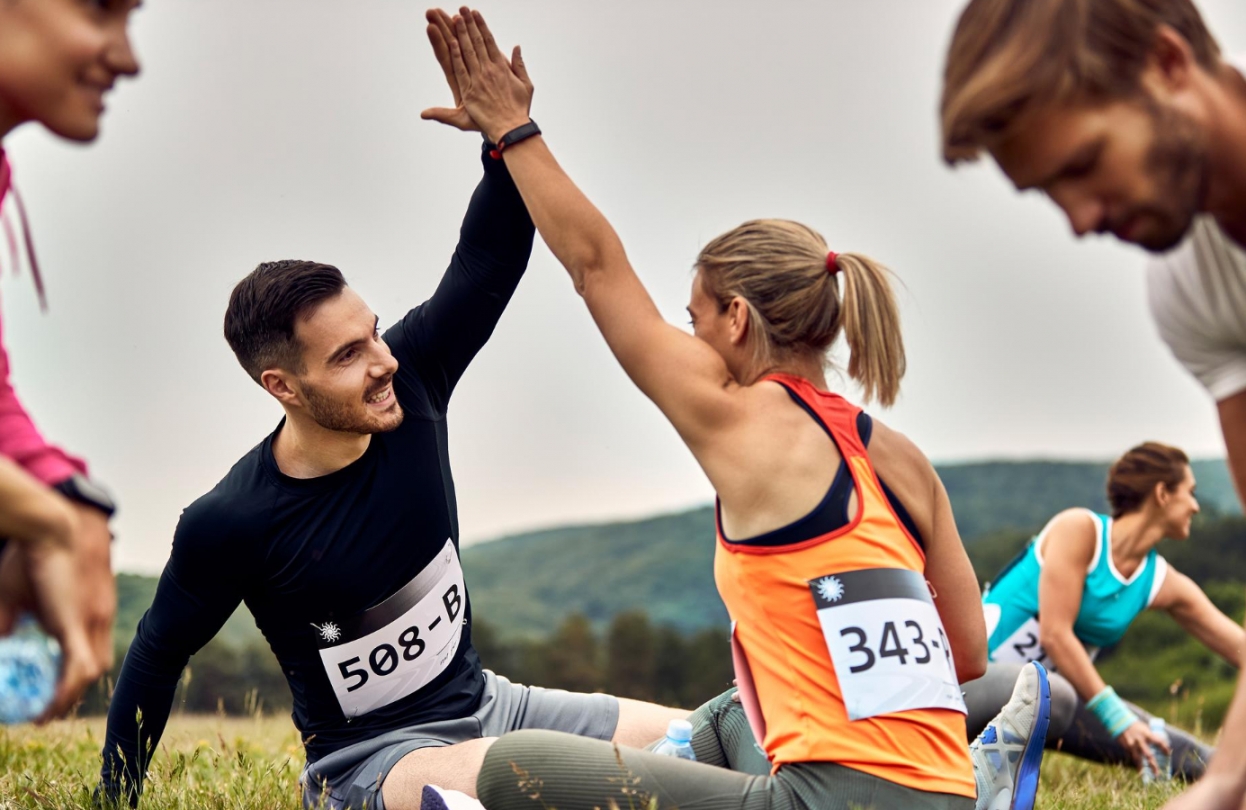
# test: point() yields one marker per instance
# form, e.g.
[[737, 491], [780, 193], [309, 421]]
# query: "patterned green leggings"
[[547, 770]]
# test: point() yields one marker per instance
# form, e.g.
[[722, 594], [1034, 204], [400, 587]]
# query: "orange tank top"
[[839, 651]]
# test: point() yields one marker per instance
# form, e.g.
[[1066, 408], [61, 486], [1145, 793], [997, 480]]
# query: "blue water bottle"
[[30, 662], [678, 742], [1162, 759]]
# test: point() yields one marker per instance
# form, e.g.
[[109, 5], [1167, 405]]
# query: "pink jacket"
[[19, 438]]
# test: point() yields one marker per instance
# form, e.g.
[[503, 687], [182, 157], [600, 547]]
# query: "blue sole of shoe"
[[431, 800], [1025, 788]]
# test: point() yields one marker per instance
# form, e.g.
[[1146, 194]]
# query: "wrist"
[[495, 134], [1111, 711], [80, 489], [512, 137]]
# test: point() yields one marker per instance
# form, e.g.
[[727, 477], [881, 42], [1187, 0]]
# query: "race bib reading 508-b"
[[398, 647], [886, 642]]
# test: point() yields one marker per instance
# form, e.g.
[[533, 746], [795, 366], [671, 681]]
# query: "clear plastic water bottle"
[[678, 742], [1162, 760], [30, 662]]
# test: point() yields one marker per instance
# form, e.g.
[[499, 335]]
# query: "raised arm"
[[198, 591], [682, 375], [440, 337]]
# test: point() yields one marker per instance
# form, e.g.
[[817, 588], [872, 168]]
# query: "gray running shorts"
[[351, 777]]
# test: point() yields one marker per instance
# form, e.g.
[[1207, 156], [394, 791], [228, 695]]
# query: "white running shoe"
[[435, 798], [1007, 754]]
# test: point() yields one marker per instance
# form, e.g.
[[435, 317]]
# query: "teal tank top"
[[1110, 602]]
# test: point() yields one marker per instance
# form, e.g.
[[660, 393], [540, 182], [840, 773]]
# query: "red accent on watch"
[[513, 137]]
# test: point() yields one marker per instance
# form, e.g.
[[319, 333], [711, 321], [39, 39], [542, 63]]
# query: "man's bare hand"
[[494, 92]]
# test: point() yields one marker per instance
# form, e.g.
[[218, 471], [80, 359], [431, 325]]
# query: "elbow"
[[586, 274], [1054, 642], [972, 667]]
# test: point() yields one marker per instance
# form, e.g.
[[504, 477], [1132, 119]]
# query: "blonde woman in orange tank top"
[[856, 612]]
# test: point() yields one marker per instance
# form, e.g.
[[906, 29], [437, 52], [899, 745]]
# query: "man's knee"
[[455, 767], [641, 723]]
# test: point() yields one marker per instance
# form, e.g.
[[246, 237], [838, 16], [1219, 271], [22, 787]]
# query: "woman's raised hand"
[[492, 94]]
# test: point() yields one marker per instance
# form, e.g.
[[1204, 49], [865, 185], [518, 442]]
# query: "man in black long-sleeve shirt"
[[339, 532]]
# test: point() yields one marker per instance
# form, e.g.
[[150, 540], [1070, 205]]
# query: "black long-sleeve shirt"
[[352, 577]]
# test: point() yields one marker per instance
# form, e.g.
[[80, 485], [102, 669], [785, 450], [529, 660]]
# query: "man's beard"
[[332, 414], [1178, 163]]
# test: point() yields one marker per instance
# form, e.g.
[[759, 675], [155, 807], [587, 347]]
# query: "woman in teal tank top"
[[1088, 576]]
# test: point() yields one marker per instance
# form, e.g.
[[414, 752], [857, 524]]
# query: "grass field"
[[254, 763]]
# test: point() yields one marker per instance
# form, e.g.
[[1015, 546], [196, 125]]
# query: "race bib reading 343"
[[886, 642], [398, 647]]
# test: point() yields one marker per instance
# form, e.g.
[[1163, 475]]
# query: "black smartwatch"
[[78, 487]]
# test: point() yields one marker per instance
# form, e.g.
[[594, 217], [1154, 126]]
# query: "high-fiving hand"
[[492, 94]]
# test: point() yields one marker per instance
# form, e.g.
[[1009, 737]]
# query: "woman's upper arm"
[[686, 378], [910, 475], [950, 572], [1067, 549]]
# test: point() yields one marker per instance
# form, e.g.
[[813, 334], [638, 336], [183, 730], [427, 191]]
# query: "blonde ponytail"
[[871, 323], [780, 269]]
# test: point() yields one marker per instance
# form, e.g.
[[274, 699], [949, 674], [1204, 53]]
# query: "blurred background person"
[[58, 61], [1128, 117], [1088, 576]]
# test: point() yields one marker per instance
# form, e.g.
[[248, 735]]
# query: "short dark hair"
[[265, 306]]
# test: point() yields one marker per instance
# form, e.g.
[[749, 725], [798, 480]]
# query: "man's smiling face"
[[347, 381]]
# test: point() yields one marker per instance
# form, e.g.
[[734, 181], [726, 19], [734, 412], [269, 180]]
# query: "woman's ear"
[[737, 321]]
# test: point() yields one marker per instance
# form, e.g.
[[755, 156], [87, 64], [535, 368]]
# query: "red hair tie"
[[832, 266]]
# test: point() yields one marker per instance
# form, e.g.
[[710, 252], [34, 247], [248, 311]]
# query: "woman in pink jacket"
[[58, 60]]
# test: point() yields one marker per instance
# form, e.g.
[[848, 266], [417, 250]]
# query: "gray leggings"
[[534, 770], [1074, 729]]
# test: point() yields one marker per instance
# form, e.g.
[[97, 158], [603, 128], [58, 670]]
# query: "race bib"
[[886, 642], [1024, 646], [398, 647]]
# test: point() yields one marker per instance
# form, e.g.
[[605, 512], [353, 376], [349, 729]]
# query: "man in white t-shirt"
[[1127, 116]]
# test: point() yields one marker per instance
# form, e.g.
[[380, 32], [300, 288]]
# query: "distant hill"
[[525, 584]]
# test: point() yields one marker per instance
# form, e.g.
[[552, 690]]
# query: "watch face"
[[87, 490]]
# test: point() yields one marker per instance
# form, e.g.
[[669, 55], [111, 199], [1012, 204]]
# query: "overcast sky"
[[268, 129]]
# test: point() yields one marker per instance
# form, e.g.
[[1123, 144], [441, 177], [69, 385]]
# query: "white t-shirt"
[[1197, 294], [1198, 299]]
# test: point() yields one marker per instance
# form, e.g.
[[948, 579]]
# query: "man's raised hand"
[[493, 93]]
